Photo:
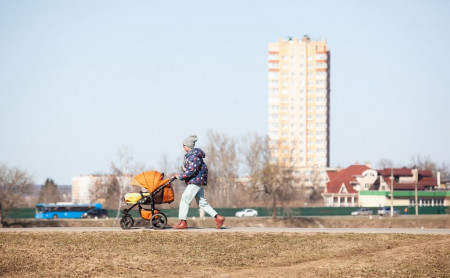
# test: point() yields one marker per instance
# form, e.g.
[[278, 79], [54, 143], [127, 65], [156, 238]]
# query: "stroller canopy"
[[150, 180]]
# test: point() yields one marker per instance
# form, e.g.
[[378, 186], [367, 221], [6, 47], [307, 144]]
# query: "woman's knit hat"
[[190, 141]]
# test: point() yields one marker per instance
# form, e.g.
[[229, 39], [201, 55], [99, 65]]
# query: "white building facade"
[[298, 106]]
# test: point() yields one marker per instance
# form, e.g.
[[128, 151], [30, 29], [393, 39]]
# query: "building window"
[[322, 65], [273, 74], [322, 74], [274, 100], [321, 56], [274, 65], [321, 91], [273, 134], [274, 91]]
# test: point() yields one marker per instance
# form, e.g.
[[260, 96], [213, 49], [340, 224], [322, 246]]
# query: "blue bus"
[[63, 210]]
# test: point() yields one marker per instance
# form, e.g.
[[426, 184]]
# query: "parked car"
[[247, 213], [95, 213], [386, 211], [362, 211]]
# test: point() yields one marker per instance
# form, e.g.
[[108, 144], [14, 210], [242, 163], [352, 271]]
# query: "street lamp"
[[416, 179], [392, 192]]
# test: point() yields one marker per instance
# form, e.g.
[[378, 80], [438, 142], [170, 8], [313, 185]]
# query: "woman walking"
[[195, 175]]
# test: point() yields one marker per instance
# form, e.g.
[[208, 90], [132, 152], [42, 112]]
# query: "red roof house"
[[404, 179], [343, 186], [345, 179]]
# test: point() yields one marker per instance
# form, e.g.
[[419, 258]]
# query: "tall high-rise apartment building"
[[299, 103]]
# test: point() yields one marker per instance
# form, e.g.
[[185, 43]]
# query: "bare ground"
[[184, 254]]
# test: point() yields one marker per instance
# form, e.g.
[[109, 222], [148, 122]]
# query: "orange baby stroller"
[[159, 191]]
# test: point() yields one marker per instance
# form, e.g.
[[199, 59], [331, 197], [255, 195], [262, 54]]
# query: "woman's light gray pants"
[[191, 191]]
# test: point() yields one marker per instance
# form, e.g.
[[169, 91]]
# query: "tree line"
[[242, 173]]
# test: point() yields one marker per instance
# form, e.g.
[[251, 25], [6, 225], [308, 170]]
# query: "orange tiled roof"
[[404, 172], [425, 178], [345, 176]]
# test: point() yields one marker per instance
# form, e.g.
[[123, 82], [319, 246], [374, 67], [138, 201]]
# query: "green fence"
[[262, 211], [331, 211]]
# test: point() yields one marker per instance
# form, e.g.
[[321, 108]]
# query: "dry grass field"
[[183, 254]]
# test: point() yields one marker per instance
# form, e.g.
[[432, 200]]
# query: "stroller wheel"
[[159, 220], [126, 222]]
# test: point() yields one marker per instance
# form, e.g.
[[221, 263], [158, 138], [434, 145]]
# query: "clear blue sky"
[[80, 79]]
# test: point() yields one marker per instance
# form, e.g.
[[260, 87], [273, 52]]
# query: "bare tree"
[[106, 190], [164, 165], [110, 188], [138, 167], [423, 163], [253, 152], [385, 163], [223, 166], [122, 171], [313, 194], [276, 181], [267, 176], [444, 169], [14, 184]]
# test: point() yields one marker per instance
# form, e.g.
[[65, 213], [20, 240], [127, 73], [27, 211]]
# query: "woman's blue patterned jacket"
[[195, 169]]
